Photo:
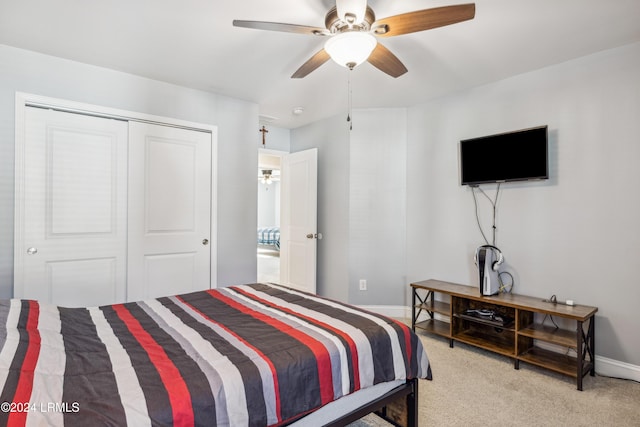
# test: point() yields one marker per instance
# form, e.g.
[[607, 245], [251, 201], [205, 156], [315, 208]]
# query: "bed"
[[248, 355], [269, 236]]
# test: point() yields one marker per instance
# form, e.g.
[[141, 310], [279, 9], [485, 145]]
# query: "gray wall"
[[237, 121], [276, 139], [331, 137], [268, 204], [361, 200], [576, 235], [377, 201]]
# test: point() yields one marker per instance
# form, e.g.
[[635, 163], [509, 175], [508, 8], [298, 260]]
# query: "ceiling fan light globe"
[[350, 48], [352, 11]]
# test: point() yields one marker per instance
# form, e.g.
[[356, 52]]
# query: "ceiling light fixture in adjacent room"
[[266, 176], [350, 48]]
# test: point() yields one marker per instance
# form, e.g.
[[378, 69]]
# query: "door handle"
[[205, 242], [32, 251], [314, 236]]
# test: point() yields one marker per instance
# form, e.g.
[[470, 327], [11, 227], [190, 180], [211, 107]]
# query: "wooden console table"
[[446, 316]]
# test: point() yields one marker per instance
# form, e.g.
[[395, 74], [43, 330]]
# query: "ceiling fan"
[[352, 29]]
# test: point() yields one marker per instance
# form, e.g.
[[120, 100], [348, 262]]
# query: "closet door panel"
[[170, 211], [71, 239]]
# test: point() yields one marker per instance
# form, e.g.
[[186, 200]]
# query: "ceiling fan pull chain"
[[349, 99]]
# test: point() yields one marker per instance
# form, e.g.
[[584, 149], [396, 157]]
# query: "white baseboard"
[[395, 311], [604, 366], [616, 369]]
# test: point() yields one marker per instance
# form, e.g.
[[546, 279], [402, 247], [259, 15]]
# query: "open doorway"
[[268, 236]]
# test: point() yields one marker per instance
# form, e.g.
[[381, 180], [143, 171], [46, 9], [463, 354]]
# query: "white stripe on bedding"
[[11, 341], [48, 376], [131, 394]]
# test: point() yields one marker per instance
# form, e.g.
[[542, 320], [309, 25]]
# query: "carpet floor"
[[474, 387]]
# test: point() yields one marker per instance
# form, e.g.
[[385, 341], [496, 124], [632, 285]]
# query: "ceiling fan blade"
[[387, 62], [277, 26], [421, 20], [314, 62]]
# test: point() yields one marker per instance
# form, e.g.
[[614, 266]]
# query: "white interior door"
[[298, 221], [71, 209], [169, 211]]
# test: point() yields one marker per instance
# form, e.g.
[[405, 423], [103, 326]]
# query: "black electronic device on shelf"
[[488, 316]]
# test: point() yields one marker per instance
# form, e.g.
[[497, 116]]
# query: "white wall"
[[237, 122], [576, 235]]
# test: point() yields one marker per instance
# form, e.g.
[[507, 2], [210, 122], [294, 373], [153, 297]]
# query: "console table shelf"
[[433, 326], [550, 334], [521, 338]]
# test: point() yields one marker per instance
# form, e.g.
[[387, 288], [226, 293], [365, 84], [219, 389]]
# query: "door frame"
[[24, 100], [280, 154]]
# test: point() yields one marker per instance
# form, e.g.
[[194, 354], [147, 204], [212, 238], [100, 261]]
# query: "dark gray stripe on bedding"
[[303, 324], [87, 360], [378, 337], [288, 356]]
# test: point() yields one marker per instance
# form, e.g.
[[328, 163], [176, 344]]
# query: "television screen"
[[512, 156]]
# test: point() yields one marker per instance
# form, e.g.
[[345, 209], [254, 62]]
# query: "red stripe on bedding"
[[347, 337], [25, 383], [248, 344], [320, 352], [181, 408]]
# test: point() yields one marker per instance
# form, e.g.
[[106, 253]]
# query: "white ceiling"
[[193, 43]]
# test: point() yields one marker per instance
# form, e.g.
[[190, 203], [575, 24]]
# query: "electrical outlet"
[[363, 284]]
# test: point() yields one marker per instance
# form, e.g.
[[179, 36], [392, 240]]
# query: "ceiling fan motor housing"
[[336, 25]]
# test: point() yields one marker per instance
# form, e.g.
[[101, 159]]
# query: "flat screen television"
[[512, 156]]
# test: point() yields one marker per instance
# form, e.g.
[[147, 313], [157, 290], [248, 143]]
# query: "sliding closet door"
[[71, 209], [169, 247]]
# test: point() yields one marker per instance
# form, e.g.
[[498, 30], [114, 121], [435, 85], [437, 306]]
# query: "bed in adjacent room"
[[248, 355], [269, 236]]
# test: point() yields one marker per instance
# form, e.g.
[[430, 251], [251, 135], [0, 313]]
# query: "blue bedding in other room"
[[269, 236]]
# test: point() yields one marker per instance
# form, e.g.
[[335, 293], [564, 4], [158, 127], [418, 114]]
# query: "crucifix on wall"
[[264, 132]]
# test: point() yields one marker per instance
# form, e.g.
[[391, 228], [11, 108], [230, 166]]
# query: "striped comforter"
[[244, 355]]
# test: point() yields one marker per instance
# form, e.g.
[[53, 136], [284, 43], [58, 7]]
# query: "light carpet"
[[474, 387]]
